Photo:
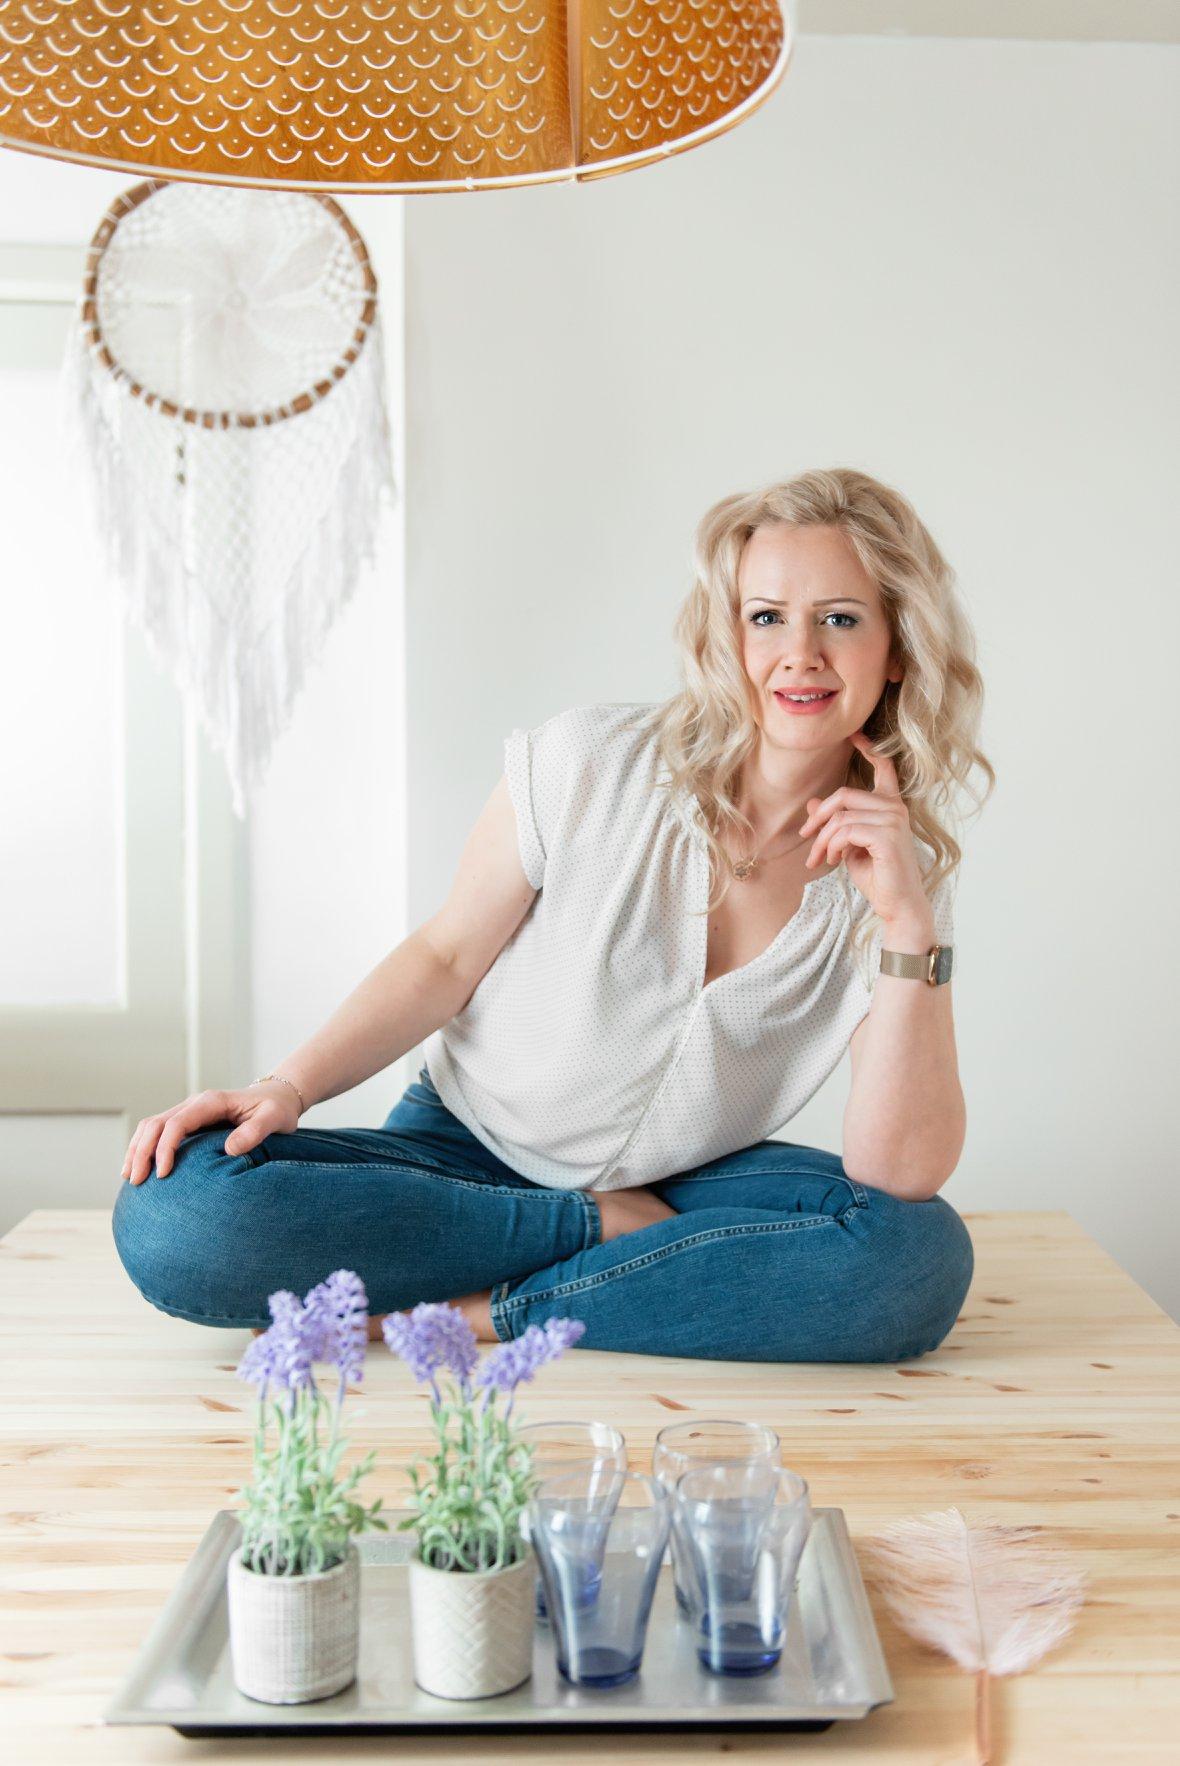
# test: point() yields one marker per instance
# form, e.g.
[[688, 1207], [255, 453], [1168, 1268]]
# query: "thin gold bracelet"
[[283, 1081]]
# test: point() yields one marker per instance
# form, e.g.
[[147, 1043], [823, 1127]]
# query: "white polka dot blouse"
[[590, 1056]]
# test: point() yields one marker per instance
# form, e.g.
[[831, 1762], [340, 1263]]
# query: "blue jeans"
[[773, 1254]]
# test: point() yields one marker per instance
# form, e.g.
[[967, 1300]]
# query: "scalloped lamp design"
[[400, 96]]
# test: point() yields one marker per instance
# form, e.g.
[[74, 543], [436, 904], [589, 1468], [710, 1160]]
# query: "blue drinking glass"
[[558, 1449], [682, 1446], [599, 1542], [743, 1528]]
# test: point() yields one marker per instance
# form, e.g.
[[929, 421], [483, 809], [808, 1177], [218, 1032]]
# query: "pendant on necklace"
[[743, 867]]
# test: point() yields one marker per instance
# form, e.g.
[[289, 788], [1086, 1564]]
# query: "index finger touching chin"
[[885, 773]]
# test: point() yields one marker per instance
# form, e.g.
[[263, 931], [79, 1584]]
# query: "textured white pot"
[[294, 1638], [473, 1633]]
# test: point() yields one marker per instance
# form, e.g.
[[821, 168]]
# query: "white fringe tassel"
[[193, 559]]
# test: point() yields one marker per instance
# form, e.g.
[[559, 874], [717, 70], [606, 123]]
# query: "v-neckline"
[[700, 851]]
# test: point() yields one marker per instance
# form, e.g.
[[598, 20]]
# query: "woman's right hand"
[[256, 1111]]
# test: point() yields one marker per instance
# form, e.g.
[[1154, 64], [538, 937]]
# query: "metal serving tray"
[[832, 1665]]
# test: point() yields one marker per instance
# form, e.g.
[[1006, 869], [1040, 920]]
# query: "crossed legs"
[[770, 1254]]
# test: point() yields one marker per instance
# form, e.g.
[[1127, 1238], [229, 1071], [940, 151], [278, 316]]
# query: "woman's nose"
[[801, 650]]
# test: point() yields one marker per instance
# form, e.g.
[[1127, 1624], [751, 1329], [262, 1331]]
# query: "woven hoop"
[[122, 206]]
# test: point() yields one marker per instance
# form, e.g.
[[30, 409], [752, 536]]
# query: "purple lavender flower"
[[258, 1363], [299, 1344], [432, 1337], [285, 1353], [516, 1361], [563, 1333], [343, 1307], [261, 1362], [507, 1366], [284, 1305]]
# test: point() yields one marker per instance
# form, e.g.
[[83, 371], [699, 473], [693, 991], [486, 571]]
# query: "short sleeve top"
[[590, 1055]]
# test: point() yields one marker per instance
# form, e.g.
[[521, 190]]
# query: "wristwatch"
[[933, 965]]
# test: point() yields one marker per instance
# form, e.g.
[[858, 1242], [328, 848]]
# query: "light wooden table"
[[1053, 1401]]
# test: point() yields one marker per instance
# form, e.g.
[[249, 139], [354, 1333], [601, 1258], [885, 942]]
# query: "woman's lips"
[[808, 709]]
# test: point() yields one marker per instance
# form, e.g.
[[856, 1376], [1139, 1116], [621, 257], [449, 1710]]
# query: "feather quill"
[[989, 1595]]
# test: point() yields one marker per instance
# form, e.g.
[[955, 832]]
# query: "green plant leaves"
[[300, 1512], [469, 1495]]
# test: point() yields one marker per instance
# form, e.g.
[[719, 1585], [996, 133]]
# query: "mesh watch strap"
[[933, 966]]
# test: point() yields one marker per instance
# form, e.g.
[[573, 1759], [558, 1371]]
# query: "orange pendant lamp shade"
[[381, 95]]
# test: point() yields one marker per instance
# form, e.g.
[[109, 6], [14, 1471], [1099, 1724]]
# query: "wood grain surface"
[[1052, 1402]]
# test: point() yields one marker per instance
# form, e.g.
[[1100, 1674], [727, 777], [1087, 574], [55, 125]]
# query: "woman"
[[666, 926]]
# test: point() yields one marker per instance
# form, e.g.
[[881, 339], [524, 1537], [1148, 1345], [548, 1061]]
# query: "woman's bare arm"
[[433, 973], [905, 1121], [420, 985]]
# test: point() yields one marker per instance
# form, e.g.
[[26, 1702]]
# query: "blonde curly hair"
[[928, 723]]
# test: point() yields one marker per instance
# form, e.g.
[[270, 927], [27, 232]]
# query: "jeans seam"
[[216, 1320], [506, 1305], [498, 1297], [496, 1308], [773, 1171], [467, 1182], [429, 1167], [592, 1220]]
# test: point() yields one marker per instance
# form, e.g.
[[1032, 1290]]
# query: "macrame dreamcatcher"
[[226, 373]]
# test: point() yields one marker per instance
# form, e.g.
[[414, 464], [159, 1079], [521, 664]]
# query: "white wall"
[[953, 264]]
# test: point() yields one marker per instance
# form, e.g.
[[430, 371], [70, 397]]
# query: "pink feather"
[[989, 1595]]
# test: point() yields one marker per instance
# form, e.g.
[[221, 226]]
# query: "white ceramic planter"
[[473, 1633], [294, 1638]]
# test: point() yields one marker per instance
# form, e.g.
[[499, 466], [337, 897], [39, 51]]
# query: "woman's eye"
[[769, 613]]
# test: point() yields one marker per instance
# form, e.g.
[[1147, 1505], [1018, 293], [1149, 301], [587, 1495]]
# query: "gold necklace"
[[744, 867]]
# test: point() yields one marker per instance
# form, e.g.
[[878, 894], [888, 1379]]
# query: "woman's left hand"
[[871, 831]]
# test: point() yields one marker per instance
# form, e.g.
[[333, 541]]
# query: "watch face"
[[943, 963]]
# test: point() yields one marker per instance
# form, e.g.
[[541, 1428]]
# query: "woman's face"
[[811, 621]]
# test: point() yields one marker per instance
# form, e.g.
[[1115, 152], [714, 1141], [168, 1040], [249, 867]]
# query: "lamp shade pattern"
[[381, 95]]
